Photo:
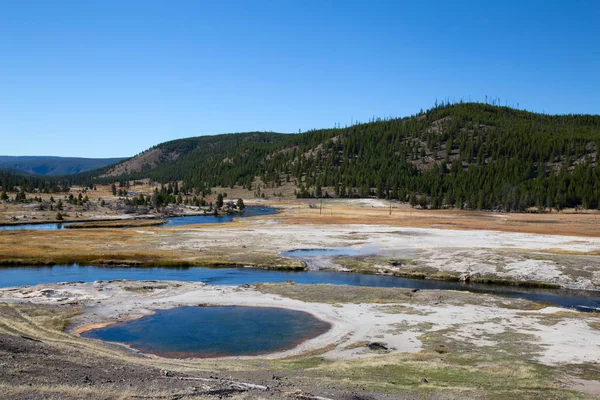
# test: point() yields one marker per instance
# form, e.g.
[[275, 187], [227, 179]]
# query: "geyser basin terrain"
[[202, 332]]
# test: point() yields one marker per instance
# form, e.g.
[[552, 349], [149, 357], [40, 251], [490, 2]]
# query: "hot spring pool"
[[203, 332]]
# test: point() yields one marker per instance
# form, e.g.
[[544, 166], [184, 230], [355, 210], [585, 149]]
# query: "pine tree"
[[21, 196], [413, 200], [240, 204]]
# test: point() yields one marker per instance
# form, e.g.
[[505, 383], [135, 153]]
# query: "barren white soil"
[[569, 340], [521, 256]]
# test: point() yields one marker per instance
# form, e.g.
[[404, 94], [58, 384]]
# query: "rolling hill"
[[467, 155]]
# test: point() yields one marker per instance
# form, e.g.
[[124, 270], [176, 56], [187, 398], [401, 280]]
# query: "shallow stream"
[[23, 275], [250, 211]]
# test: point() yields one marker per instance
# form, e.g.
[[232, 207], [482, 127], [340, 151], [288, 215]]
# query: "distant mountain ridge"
[[54, 166]]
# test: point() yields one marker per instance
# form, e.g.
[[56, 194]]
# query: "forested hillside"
[[13, 181], [467, 155], [54, 166], [201, 161]]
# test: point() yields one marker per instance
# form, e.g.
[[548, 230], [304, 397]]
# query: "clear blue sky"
[[112, 78]]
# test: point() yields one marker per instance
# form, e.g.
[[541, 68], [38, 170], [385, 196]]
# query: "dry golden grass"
[[340, 211], [573, 252], [331, 294], [337, 213], [71, 392], [120, 247], [60, 392], [431, 375], [594, 324], [555, 317]]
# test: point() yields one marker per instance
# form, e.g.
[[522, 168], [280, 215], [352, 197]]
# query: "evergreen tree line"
[[15, 182]]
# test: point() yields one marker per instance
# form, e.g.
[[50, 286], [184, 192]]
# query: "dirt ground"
[[75, 374]]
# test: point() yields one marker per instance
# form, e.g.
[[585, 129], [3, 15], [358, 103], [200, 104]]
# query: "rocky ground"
[[64, 374]]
